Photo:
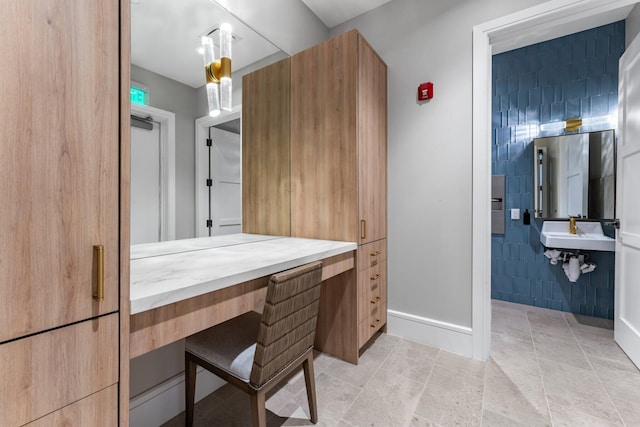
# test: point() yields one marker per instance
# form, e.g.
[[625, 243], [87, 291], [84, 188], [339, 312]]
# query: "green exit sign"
[[139, 96]]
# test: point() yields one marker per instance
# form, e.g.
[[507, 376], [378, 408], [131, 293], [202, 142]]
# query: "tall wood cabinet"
[[333, 136], [339, 179], [60, 199]]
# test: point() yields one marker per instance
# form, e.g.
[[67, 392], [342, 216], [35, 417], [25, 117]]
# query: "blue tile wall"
[[572, 76]]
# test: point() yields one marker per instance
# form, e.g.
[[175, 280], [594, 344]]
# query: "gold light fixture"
[[573, 123], [218, 72]]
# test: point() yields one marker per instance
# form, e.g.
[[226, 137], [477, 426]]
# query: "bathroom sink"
[[589, 236]]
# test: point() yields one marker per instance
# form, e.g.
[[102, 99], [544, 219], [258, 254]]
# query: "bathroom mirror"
[[165, 62], [574, 175]]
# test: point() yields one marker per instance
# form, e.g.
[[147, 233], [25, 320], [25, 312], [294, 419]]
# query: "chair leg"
[[190, 388], [310, 382], [258, 409]]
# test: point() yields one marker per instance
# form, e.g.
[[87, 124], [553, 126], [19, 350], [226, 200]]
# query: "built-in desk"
[[181, 287]]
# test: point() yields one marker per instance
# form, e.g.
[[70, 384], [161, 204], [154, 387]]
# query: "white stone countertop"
[[166, 272]]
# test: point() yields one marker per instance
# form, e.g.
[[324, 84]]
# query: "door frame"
[[202, 132], [167, 122], [545, 21]]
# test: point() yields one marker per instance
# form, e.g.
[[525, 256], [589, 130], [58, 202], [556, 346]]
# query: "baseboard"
[[163, 402], [450, 337]]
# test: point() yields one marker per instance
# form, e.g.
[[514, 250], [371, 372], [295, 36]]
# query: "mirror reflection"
[[574, 175], [170, 169]]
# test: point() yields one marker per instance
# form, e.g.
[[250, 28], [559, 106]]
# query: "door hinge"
[[209, 142], [209, 223], [209, 182]]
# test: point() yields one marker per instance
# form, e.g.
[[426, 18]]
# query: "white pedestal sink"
[[589, 236]]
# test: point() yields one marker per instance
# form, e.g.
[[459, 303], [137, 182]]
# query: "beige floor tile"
[[569, 416], [578, 321], [334, 397], [514, 355], [575, 389], [510, 322], [492, 419], [411, 360], [461, 364], [388, 400], [600, 343], [629, 411], [549, 322], [452, 398], [620, 378], [518, 396], [560, 349], [417, 421]]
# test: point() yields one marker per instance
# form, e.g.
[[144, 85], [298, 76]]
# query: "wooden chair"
[[255, 352]]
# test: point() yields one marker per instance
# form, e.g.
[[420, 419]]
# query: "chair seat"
[[230, 346]]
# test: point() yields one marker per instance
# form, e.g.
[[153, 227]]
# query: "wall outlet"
[[515, 213]]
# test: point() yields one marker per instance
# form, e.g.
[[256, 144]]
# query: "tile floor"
[[546, 368]]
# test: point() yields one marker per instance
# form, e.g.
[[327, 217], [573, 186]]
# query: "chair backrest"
[[288, 324]]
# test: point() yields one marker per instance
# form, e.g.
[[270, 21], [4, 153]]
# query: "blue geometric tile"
[[539, 83]]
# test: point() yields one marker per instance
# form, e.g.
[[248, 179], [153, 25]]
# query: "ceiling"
[[165, 34], [335, 12]]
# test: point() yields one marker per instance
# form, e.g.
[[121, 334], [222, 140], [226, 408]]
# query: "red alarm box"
[[425, 91]]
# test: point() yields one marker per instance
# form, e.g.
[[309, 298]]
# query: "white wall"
[[430, 144], [632, 24]]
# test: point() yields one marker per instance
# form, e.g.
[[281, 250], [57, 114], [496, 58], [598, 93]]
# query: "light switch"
[[515, 213]]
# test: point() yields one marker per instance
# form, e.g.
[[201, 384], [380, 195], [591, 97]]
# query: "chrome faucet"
[[573, 228]]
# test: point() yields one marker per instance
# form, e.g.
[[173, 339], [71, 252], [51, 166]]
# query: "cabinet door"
[[58, 161], [323, 141], [266, 189], [372, 144], [99, 409], [51, 370]]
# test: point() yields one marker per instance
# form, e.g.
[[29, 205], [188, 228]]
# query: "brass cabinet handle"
[[363, 229], [376, 253], [373, 301], [98, 254], [377, 276]]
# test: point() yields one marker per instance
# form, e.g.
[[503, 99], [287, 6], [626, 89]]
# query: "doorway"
[[218, 174], [543, 22], [152, 175]]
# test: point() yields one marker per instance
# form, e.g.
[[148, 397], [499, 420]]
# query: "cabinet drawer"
[[99, 409], [372, 254], [376, 319], [47, 371], [372, 286]]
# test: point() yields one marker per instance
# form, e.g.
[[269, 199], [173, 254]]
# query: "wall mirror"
[[167, 190], [574, 175]]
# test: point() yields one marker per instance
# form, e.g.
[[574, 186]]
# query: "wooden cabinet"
[[339, 176], [266, 190], [60, 193]]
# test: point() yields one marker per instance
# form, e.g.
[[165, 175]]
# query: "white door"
[[627, 285], [222, 200], [145, 185]]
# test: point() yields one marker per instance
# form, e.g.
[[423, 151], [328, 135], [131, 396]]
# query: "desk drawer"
[[372, 254]]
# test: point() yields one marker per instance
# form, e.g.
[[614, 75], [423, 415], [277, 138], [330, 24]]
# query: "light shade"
[[225, 67], [218, 72], [211, 68]]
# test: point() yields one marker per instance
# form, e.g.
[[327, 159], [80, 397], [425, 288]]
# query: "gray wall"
[[180, 99], [632, 24], [430, 187]]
